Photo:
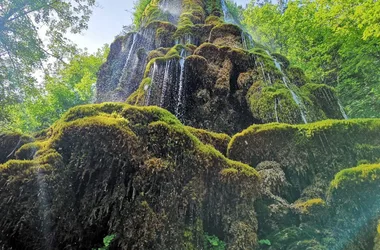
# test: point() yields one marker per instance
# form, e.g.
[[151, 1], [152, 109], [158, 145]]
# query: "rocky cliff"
[[208, 72], [275, 173]]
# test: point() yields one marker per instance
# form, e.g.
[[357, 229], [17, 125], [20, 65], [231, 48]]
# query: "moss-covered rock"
[[226, 35], [217, 140], [305, 150], [10, 143], [106, 168]]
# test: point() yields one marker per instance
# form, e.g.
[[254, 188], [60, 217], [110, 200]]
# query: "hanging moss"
[[297, 76], [304, 150], [273, 103], [101, 170], [325, 98]]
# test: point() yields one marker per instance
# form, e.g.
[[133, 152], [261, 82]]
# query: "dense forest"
[[204, 125]]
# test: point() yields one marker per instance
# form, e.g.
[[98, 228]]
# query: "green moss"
[[324, 147], [91, 110], [349, 178], [308, 206], [154, 54], [325, 99], [27, 151], [281, 59], [297, 76], [273, 103], [218, 140], [213, 20], [10, 143]]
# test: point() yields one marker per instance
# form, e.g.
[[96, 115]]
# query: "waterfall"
[[179, 107], [172, 9], [344, 114], [247, 40], [186, 39], [127, 65], [295, 97], [165, 82], [275, 109], [228, 18], [153, 76]]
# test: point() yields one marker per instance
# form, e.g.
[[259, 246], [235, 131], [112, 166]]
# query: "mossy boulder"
[[135, 172], [226, 35], [218, 140], [304, 150], [10, 143]]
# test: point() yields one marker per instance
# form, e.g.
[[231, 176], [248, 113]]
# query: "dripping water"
[[127, 61], [179, 107], [344, 114], [275, 110], [228, 18], [148, 88], [295, 97], [247, 41], [165, 82]]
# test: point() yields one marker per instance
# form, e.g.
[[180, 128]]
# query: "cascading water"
[[344, 114], [247, 40], [179, 107], [127, 64], [165, 83], [275, 110], [148, 88], [228, 18], [172, 8], [295, 97]]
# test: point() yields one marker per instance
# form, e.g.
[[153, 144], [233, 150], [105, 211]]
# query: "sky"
[[107, 22]]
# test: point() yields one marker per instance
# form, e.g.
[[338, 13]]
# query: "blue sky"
[[107, 22]]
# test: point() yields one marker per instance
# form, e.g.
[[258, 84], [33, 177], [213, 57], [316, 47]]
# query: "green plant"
[[106, 241], [265, 242], [213, 243]]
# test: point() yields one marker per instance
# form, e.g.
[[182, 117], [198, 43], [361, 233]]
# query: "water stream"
[[344, 114], [228, 18], [179, 107], [286, 82]]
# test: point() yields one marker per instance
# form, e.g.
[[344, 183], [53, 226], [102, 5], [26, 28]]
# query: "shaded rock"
[[129, 171]]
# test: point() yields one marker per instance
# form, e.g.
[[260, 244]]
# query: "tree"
[[72, 84], [30, 32], [334, 42]]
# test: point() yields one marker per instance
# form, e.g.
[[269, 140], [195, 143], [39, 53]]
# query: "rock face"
[[134, 172], [158, 180], [312, 199], [209, 73]]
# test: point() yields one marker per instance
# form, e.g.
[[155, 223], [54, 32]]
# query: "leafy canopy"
[[72, 84], [334, 42], [31, 31]]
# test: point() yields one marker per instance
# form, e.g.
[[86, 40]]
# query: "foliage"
[[139, 8], [265, 242], [107, 241], [213, 243], [71, 85], [30, 33], [334, 42]]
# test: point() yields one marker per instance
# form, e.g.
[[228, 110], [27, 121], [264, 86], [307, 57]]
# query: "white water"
[[344, 114], [275, 110], [296, 98], [247, 41], [127, 61], [165, 83], [149, 88], [174, 8], [181, 80], [227, 15]]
